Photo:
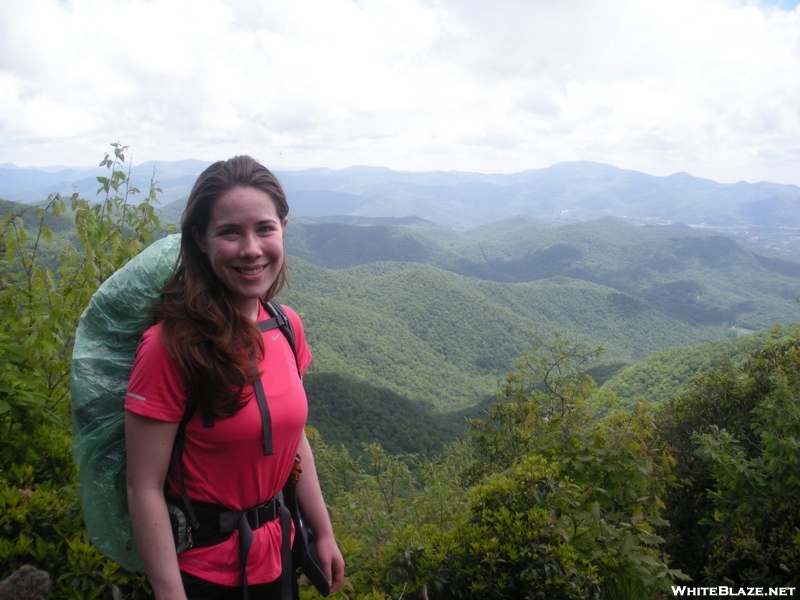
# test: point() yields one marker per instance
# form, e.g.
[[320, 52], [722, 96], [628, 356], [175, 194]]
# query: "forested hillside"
[[669, 373], [701, 278], [434, 336], [439, 316], [351, 413]]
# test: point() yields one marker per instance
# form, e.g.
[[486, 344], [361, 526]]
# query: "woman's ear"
[[199, 240], [285, 224]]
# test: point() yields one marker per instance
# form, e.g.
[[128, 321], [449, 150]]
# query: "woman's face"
[[244, 244]]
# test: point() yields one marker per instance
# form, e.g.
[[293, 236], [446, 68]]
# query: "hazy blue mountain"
[[33, 184], [27, 184], [563, 193]]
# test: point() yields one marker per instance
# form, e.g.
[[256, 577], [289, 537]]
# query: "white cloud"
[[711, 87]]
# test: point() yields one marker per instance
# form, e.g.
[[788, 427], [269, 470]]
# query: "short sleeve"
[[156, 388]]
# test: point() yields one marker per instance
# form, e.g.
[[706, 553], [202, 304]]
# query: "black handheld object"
[[304, 549]]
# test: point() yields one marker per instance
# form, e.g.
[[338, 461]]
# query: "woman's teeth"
[[254, 271]]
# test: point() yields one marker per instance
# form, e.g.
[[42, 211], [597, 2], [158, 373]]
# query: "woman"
[[207, 353]]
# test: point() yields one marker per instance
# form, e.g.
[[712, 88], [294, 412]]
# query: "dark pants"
[[199, 589]]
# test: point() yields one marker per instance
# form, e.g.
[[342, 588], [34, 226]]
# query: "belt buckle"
[[256, 512], [267, 510]]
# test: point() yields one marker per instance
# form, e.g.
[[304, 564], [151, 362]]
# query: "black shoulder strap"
[[178, 446], [277, 320], [280, 321]]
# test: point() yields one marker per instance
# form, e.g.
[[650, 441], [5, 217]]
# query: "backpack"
[[108, 334]]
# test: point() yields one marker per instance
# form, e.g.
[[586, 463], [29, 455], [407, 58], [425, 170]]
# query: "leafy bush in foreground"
[[45, 283], [541, 500], [736, 437]]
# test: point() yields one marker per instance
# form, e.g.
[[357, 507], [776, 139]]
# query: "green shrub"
[[42, 526], [735, 435], [45, 283], [755, 518], [510, 543], [541, 500]]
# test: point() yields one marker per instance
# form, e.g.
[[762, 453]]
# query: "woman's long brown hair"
[[202, 330]]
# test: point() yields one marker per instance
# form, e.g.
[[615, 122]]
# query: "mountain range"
[[765, 213]]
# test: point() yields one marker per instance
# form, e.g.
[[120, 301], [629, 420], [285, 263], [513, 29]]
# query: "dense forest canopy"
[[447, 311]]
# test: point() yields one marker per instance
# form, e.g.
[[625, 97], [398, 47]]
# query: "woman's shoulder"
[[157, 385], [151, 346], [152, 335], [291, 314]]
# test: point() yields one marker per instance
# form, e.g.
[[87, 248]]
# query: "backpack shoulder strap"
[[279, 320], [177, 447]]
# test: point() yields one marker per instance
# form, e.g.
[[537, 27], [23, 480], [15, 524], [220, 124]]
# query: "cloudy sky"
[[710, 87]]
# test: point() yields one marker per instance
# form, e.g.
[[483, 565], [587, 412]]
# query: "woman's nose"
[[250, 246]]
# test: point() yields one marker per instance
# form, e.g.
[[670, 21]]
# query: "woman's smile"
[[250, 270]]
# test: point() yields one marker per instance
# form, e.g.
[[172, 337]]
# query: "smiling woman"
[[215, 412], [244, 245]]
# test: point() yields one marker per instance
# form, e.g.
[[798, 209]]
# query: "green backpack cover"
[[108, 334]]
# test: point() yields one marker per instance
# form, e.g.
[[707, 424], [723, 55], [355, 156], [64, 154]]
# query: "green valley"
[[439, 316]]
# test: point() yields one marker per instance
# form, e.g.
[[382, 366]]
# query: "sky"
[[707, 87]]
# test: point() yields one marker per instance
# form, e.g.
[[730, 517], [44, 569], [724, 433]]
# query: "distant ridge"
[[356, 220], [567, 192]]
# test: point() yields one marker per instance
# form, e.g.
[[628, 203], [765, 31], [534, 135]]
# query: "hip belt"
[[212, 524]]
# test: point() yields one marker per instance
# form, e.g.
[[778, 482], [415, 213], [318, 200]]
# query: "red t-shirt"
[[225, 464]]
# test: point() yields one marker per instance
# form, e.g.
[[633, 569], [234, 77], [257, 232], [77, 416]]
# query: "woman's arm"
[[148, 445], [309, 495]]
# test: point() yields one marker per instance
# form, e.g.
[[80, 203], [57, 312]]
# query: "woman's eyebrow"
[[236, 224]]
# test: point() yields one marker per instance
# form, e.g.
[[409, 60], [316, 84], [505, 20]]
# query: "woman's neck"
[[249, 309]]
